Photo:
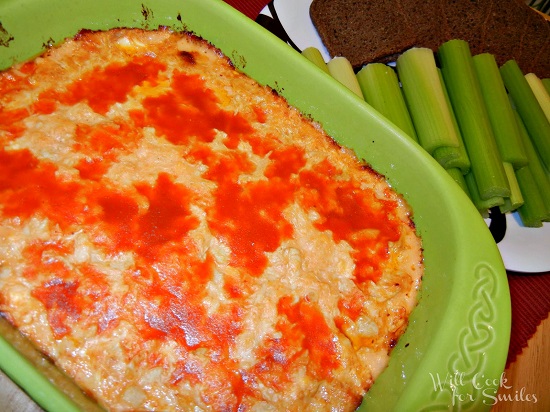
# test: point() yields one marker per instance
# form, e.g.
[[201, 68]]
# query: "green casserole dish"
[[454, 350]]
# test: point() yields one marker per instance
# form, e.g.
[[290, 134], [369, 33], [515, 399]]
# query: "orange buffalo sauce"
[[217, 239]]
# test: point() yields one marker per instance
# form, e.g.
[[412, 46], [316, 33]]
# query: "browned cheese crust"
[[175, 236]]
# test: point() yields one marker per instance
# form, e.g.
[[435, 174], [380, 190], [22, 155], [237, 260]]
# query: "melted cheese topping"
[[176, 237]]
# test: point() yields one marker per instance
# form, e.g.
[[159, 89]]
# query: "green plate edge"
[[461, 327]]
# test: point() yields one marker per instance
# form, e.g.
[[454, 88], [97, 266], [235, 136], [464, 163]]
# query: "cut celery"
[[482, 205], [452, 157], [381, 90], [534, 183], [314, 55], [542, 96], [340, 68], [516, 199], [529, 109], [425, 100], [500, 111], [467, 102], [546, 83], [533, 211], [448, 157], [458, 177], [537, 170]]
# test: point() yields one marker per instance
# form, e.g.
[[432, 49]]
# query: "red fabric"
[[530, 294], [250, 8]]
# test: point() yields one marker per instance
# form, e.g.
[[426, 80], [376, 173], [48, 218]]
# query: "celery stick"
[[483, 205], [452, 157], [314, 55], [537, 170], [458, 177], [533, 211], [340, 68], [516, 199], [425, 99], [529, 109], [447, 157], [464, 91], [546, 84], [381, 90], [534, 182], [499, 110], [508, 207], [542, 96]]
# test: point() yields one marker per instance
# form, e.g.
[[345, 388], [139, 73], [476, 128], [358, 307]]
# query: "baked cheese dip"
[[175, 236]]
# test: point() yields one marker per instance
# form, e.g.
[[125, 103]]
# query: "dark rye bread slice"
[[464, 17], [541, 63], [532, 54], [501, 33], [421, 22], [362, 31]]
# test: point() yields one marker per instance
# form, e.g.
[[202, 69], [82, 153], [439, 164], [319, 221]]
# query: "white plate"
[[525, 250]]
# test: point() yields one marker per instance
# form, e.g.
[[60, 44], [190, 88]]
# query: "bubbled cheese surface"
[[177, 237]]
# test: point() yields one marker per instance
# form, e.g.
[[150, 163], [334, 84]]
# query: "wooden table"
[[528, 376], [13, 399]]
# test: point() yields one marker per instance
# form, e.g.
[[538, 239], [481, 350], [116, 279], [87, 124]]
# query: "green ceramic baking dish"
[[455, 348]]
